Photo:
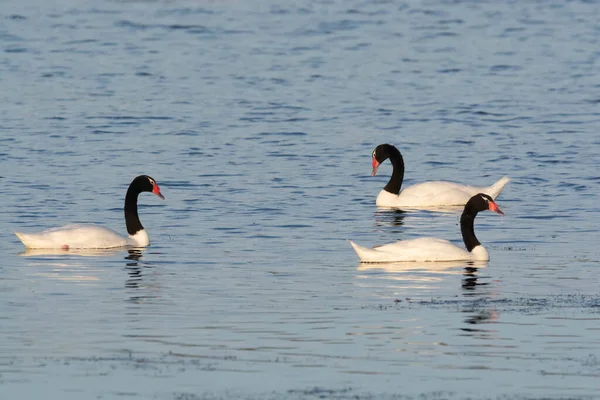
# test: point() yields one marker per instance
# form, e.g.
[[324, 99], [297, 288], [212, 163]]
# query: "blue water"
[[258, 120]]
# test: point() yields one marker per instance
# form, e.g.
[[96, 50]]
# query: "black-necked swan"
[[426, 194], [434, 249], [87, 236]]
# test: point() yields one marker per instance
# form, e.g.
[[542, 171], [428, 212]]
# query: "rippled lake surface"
[[258, 120]]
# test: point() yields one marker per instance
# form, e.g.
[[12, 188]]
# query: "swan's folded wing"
[[422, 249], [73, 236]]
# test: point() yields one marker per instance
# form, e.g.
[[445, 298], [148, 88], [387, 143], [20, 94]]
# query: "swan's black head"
[[382, 153], [145, 183], [481, 202]]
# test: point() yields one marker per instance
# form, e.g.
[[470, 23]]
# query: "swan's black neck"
[[132, 221], [467, 220], [395, 182]]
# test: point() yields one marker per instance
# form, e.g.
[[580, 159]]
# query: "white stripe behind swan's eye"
[[485, 198]]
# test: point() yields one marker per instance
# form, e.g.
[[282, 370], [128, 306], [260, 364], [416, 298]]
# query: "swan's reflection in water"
[[481, 317], [389, 217], [139, 279], [79, 266], [133, 268], [435, 284], [418, 279], [71, 252], [452, 267], [476, 321], [92, 267], [470, 282]]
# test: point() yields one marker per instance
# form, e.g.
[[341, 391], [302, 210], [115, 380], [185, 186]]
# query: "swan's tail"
[[368, 255], [23, 238], [494, 190]]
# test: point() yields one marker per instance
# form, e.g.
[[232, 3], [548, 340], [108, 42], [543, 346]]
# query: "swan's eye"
[[373, 154], [151, 180], [487, 201]]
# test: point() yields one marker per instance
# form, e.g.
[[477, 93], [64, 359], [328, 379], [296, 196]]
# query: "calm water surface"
[[258, 120]]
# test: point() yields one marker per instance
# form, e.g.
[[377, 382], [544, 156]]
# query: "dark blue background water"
[[258, 120]]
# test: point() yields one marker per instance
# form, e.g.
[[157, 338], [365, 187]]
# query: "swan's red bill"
[[494, 207], [156, 191], [375, 166]]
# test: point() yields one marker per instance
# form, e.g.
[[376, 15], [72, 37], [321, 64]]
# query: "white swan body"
[[88, 236], [434, 249], [437, 194], [82, 236], [421, 249]]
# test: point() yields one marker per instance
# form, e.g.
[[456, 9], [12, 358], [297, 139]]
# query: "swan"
[[434, 249], [88, 236], [427, 194]]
